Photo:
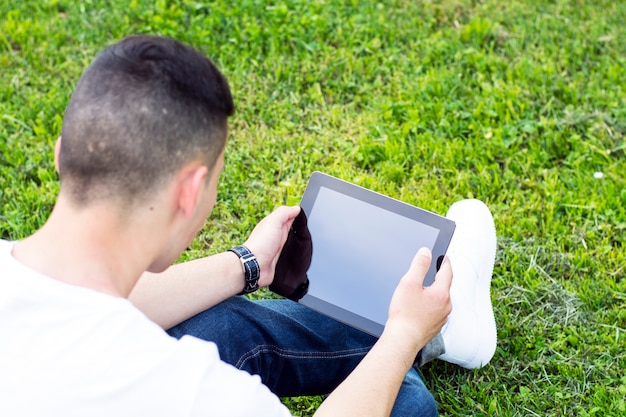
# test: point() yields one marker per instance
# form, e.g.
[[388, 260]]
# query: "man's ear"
[[57, 152], [191, 180]]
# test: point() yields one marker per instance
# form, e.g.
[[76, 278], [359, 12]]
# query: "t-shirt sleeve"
[[224, 390]]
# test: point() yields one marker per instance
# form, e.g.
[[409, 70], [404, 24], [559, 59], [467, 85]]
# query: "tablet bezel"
[[445, 226]]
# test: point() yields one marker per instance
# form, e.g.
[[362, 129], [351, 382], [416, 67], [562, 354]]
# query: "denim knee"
[[414, 399]]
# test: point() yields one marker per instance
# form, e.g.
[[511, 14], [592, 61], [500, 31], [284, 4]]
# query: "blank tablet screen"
[[361, 249]]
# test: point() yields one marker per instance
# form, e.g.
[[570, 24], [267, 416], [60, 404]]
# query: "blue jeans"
[[295, 350]]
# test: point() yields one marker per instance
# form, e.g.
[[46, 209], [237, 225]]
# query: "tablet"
[[362, 244]]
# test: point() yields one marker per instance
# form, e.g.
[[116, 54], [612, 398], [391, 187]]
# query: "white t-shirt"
[[71, 351]]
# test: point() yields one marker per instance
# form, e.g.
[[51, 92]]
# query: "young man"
[[85, 299]]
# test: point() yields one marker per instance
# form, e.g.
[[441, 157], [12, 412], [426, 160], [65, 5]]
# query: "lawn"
[[521, 104]]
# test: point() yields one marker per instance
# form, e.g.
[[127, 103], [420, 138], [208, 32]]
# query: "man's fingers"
[[286, 216], [420, 265], [283, 216], [288, 212], [444, 275]]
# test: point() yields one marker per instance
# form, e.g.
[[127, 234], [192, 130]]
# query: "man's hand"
[[419, 312], [268, 238], [416, 315]]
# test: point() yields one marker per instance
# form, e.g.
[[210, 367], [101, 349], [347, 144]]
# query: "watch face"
[[290, 278]]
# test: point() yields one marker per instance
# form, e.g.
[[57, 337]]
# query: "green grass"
[[517, 103]]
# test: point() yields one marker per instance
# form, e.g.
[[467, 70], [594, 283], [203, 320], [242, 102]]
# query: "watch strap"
[[251, 268]]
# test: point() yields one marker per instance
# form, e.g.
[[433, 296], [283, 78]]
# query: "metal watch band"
[[251, 268]]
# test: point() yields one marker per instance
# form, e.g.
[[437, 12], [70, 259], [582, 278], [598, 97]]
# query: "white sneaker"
[[470, 335]]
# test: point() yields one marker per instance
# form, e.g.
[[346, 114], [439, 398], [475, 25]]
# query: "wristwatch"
[[251, 268]]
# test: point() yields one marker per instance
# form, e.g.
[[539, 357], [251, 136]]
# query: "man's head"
[[144, 108]]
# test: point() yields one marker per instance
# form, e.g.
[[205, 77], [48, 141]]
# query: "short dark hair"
[[143, 108]]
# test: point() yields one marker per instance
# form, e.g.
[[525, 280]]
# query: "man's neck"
[[89, 247]]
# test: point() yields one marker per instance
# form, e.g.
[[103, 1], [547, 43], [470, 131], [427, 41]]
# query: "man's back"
[[68, 350]]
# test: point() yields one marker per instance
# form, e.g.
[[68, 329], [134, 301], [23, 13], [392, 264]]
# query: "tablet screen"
[[363, 243]]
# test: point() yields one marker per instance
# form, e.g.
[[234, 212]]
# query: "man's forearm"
[[186, 289]]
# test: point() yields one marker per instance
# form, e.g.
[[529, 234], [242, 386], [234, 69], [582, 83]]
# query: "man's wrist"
[[251, 268], [405, 340]]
